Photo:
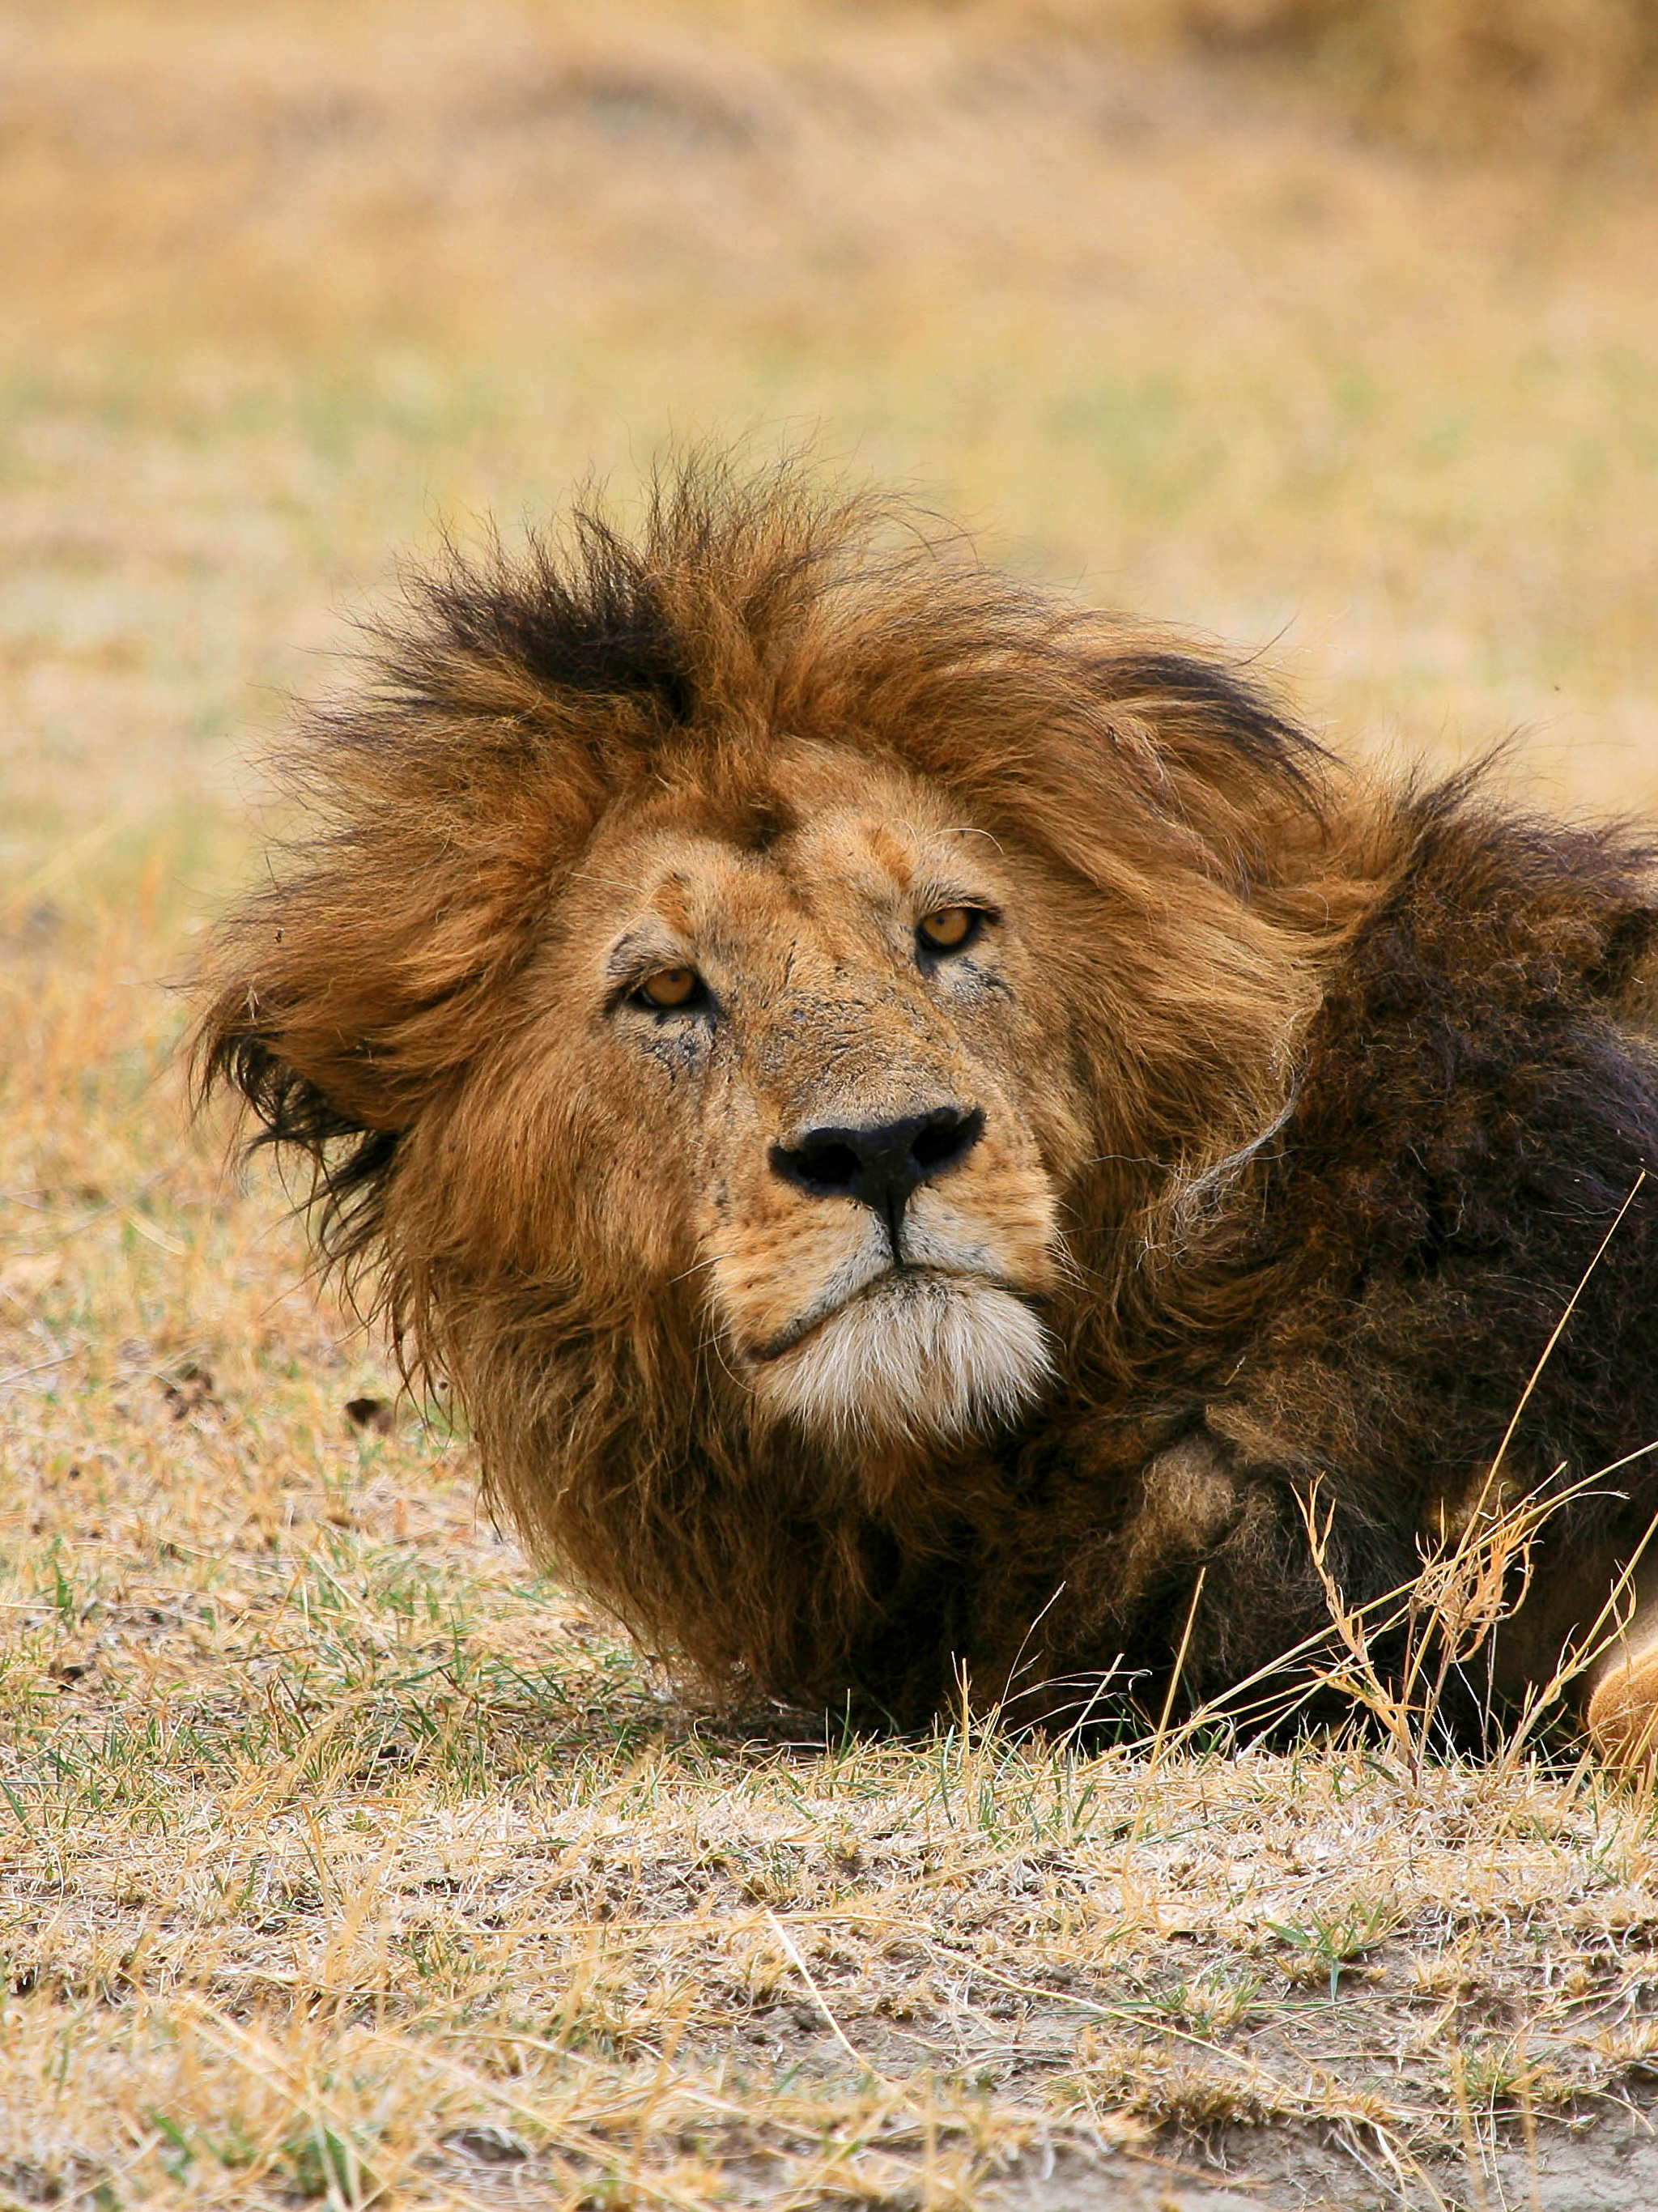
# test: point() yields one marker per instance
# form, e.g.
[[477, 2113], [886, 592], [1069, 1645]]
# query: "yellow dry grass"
[[341, 1857]]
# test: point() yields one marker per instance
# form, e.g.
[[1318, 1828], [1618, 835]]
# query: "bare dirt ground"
[[345, 1857]]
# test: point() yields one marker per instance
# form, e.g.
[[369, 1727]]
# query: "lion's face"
[[797, 1055], [756, 1001]]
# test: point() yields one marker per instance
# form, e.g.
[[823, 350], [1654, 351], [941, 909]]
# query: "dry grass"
[[341, 1854]]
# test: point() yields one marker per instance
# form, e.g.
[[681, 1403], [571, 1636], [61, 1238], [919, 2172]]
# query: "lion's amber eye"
[[949, 928], [669, 986]]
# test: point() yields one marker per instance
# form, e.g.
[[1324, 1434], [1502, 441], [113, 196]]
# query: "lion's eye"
[[669, 986], [949, 927]]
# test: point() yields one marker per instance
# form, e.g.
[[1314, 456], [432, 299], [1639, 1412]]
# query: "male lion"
[[936, 1135]]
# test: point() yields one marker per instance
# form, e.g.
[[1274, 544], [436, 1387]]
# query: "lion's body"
[[1255, 1140]]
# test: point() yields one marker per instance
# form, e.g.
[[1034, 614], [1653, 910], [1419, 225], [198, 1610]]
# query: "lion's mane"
[[1366, 1069]]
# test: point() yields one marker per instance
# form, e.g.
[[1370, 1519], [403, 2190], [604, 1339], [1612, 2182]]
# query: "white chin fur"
[[921, 1357]]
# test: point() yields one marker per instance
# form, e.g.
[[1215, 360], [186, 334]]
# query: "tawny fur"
[[1305, 1100]]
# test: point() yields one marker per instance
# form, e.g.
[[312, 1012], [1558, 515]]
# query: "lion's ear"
[[339, 1005], [347, 999], [316, 1098]]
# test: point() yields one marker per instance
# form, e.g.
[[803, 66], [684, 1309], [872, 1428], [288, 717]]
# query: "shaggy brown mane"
[[1329, 1091]]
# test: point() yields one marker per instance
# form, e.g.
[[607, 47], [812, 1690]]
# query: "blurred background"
[[1327, 325]]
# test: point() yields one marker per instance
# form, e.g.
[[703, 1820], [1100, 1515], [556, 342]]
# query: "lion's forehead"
[[801, 912], [837, 879]]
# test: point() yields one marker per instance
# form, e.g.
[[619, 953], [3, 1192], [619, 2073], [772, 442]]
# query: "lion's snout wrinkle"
[[679, 914], [880, 1163]]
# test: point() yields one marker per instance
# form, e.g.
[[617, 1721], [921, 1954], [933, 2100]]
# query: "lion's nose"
[[881, 1165]]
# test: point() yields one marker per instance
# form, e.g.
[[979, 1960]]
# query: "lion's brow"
[[623, 959]]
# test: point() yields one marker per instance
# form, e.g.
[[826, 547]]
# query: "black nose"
[[883, 1164]]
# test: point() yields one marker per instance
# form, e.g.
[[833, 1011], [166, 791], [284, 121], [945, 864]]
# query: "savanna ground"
[[345, 1857]]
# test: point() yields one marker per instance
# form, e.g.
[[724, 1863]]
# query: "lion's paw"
[[1623, 1710]]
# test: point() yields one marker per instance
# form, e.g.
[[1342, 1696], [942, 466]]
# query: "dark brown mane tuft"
[[593, 621]]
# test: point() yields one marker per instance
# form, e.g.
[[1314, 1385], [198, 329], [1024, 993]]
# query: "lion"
[[947, 1146]]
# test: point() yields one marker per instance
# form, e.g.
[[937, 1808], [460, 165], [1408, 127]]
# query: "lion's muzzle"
[[917, 1330], [881, 1164]]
